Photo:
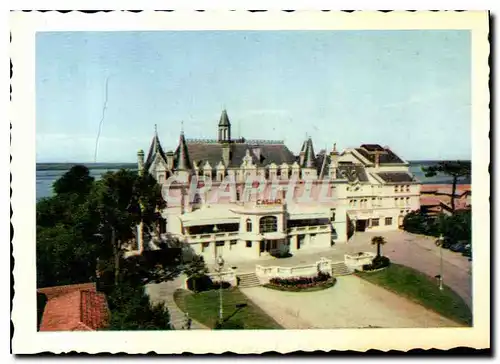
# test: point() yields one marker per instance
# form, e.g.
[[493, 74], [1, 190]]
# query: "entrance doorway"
[[361, 225], [300, 241]]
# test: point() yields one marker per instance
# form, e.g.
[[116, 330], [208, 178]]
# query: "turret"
[[224, 135], [334, 162], [140, 161]]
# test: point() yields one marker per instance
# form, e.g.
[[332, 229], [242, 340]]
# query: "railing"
[[358, 260], [266, 273], [210, 237], [309, 229]]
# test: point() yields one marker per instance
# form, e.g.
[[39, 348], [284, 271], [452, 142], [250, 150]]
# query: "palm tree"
[[378, 241]]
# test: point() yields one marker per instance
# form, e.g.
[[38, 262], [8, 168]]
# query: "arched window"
[[268, 224], [249, 225]]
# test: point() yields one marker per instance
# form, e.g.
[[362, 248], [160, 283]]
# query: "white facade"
[[366, 188]]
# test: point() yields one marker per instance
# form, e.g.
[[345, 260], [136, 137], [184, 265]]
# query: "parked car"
[[467, 252], [459, 247], [446, 244]]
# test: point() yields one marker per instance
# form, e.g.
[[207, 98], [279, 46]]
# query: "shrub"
[[199, 283], [204, 283], [301, 282], [229, 325], [377, 263]]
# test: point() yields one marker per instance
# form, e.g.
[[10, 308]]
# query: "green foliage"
[[76, 181], [457, 226], [74, 240], [455, 169], [131, 309], [451, 168], [204, 308], [422, 289], [378, 241], [378, 262]]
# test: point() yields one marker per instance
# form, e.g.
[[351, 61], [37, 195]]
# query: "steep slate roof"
[[396, 177], [153, 149], [74, 308], [310, 157], [224, 119], [212, 152], [181, 156], [351, 171], [386, 157], [347, 170]]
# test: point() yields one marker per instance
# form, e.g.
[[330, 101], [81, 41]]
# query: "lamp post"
[[440, 243], [220, 266]]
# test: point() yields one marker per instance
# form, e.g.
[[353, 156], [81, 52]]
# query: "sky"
[[409, 90]]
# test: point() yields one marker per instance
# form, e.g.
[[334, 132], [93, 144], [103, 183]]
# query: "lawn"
[[421, 289], [204, 307]]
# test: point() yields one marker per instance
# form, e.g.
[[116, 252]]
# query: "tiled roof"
[[74, 308], [395, 177], [387, 157]]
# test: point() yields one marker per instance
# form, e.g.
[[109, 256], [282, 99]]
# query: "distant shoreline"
[[133, 165]]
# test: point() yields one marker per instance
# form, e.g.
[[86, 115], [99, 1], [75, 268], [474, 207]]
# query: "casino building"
[[296, 203]]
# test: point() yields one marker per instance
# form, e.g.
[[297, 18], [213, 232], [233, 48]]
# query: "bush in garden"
[[377, 263], [301, 282]]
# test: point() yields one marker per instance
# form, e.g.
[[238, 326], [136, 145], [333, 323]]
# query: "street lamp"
[[220, 266], [440, 244]]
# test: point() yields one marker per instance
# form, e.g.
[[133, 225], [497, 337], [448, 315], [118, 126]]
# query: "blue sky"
[[409, 90]]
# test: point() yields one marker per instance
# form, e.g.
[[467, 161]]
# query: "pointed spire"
[[154, 149], [182, 127], [224, 119], [310, 157], [182, 161]]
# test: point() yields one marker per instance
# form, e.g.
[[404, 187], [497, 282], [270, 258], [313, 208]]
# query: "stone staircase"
[[340, 269], [247, 280]]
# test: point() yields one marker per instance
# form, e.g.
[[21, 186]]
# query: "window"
[[396, 201], [249, 225], [273, 244], [333, 215], [388, 220], [248, 244], [237, 195], [204, 246], [220, 243], [268, 224], [375, 222], [407, 201], [234, 242], [396, 189], [161, 178], [408, 188]]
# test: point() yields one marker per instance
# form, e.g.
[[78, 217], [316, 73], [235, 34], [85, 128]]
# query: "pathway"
[[351, 303], [164, 292], [415, 251]]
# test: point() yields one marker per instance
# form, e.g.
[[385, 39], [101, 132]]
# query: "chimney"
[[256, 151], [226, 154], [170, 160], [140, 161], [377, 159]]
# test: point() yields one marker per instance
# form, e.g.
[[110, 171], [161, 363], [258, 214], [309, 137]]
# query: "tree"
[[378, 241], [77, 180], [131, 309], [196, 271], [121, 201], [455, 169]]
